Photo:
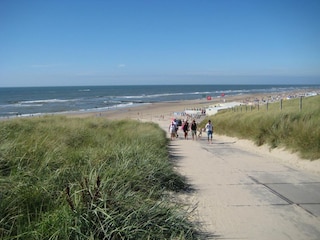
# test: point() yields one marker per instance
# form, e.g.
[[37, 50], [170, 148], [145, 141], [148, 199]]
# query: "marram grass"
[[293, 128], [70, 178]]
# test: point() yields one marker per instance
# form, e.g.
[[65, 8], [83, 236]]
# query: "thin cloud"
[[45, 65], [121, 65]]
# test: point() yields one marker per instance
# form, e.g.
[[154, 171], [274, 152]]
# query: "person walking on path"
[[209, 129], [194, 129], [177, 127], [173, 130], [186, 129]]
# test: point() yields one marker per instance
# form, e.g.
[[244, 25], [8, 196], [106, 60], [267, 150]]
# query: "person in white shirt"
[[173, 130], [209, 129]]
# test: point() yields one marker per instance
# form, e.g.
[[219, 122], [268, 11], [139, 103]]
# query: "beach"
[[164, 112]]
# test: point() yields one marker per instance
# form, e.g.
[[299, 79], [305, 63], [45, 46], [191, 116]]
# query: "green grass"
[[295, 130], [70, 178]]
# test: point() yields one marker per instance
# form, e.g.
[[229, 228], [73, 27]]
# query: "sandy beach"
[[166, 110]]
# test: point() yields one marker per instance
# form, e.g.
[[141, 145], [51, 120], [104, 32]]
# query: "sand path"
[[246, 192]]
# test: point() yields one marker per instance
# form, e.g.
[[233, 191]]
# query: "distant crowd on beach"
[[279, 96]]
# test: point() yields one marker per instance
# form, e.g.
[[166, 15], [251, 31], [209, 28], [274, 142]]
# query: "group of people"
[[186, 127]]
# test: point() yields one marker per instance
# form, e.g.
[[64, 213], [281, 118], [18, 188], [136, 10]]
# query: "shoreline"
[[166, 110], [181, 105]]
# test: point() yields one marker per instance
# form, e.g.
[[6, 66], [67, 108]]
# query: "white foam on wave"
[[46, 101], [164, 95], [113, 107]]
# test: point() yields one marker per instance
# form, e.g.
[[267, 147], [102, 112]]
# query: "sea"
[[32, 101]]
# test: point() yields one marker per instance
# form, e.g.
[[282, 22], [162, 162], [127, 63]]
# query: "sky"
[[137, 42]]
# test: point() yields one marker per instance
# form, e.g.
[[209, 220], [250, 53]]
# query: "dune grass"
[[290, 128], [70, 178]]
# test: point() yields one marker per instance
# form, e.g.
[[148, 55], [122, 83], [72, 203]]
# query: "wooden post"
[[267, 106], [300, 103], [281, 104]]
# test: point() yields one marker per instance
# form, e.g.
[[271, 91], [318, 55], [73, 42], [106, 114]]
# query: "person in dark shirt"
[[186, 129], [194, 129]]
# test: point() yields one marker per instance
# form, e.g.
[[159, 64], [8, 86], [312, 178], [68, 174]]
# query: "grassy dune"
[[291, 128], [68, 178]]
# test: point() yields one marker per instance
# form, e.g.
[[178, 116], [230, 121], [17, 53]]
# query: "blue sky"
[[59, 43]]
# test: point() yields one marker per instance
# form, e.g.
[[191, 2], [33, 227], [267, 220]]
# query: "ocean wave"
[[149, 96], [163, 95], [19, 105], [27, 105], [46, 101], [111, 107], [121, 105], [112, 101], [217, 92]]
